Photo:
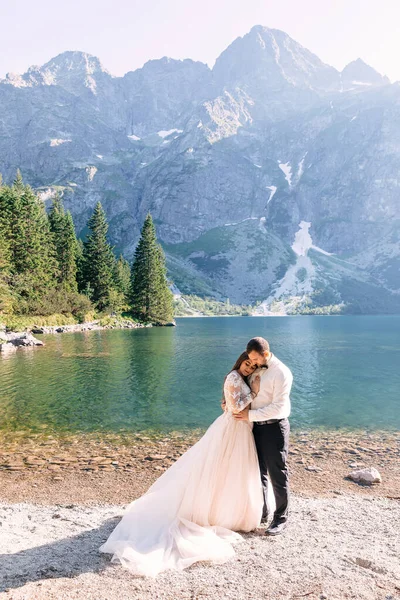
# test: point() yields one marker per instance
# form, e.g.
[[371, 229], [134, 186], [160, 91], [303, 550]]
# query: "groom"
[[269, 412]]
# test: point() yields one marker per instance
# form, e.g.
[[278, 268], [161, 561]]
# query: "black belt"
[[270, 422]]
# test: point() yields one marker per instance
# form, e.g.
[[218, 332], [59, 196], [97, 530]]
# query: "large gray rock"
[[22, 339], [366, 476], [7, 348]]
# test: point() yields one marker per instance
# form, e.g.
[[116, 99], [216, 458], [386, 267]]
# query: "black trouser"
[[272, 443]]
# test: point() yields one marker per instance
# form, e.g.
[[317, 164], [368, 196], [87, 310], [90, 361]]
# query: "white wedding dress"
[[193, 511]]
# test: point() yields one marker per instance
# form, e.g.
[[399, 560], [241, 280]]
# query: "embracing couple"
[[195, 509]]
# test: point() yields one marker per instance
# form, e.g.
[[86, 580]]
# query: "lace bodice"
[[237, 393]]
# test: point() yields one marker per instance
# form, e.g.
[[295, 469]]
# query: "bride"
[[193, 511]]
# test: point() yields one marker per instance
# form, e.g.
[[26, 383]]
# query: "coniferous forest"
[[45, 270]]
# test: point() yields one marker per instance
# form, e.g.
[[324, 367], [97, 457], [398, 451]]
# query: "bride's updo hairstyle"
[[244, 356]]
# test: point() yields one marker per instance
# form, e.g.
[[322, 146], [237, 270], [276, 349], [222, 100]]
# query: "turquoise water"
[[346, 374]]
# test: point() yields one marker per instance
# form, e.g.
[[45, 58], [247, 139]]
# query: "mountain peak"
[[272, 55], [70, 69], [75, 60], [359, 73], [166, 63]]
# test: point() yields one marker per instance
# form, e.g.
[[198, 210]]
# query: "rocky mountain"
[[358, 73], [272, 178]]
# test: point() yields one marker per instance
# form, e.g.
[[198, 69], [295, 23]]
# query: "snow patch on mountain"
[[165, 133], [300, 169], [302, 240], [322, 251], [273, 189], [58, 141], [361, 83], [298, 279], [135, 138], [287, 170]]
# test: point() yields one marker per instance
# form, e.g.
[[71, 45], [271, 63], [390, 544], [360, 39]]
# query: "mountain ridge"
[[270, 137], [256, 29]]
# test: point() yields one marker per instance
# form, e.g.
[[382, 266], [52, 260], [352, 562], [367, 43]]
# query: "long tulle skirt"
[[193, 511]]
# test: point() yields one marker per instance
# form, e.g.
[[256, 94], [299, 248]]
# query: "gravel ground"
[[346, 546], [60, 498]]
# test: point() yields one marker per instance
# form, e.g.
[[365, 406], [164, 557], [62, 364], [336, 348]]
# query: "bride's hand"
[[255, 385]]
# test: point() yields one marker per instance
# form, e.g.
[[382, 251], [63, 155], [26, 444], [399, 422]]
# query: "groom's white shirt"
[[273, 399]]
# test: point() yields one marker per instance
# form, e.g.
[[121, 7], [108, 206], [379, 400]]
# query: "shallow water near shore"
[[346, 375]]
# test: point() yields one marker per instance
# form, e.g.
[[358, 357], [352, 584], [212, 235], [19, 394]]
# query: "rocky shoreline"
[[119, 467], [10, 341]]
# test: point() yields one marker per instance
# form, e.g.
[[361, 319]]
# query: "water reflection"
[[150, 364], [303, 355], [346, 374]]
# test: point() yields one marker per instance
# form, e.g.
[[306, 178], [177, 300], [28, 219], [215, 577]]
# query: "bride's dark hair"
[[244, 356]]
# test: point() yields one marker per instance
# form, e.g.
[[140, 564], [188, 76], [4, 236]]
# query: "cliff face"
[[235, 165]]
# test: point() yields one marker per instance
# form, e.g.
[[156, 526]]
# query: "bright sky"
[[124, 34]]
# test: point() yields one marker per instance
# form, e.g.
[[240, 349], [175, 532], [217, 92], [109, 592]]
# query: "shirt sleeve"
[[237, 393], [280, 405]]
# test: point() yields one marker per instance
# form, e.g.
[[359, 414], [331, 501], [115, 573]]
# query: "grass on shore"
[[27, 322], [23, 322]]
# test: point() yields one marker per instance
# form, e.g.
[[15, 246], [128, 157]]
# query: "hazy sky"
[[124, 34]]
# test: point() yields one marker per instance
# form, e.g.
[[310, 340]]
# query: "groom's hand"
[[243, 415]]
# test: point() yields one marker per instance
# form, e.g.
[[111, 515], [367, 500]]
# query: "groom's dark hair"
[[257, 344]]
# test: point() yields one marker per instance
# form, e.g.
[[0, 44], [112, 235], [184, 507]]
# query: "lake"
[[346, 374]]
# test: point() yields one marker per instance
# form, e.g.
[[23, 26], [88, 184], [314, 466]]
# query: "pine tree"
[[149, 296], [7, 209], [122, 274], [98, 260], [18, 182], [38, 258], [56, 220], [6, 298], [166, 299], [65, 242], [56, 224], [80, 268], [33, 264], [5, 264], [69, 270]]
